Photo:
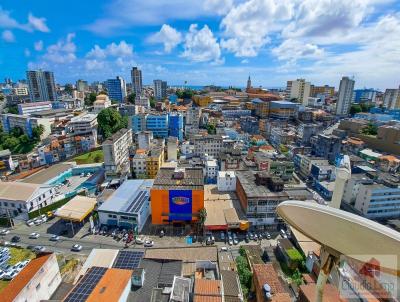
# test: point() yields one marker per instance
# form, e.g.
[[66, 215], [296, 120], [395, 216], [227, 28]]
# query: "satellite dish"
[[343, 232]]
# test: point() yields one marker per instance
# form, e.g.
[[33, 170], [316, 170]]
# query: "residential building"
[[202, 100], [326, 146], [37, 281], [176, 125], [377, 201], [366, 95], [102, 102], [306, 131], [28, 108], [299, 90], [249, 124], [322, 90], [6, 162], [259, 195], [261, 108], [26, 123], [82, 85], [41, 85], [211, 170], [160, 89], [391, 98], [322, 172], [21, 91], [116, 152], [172, 148], [154, 160], [139, 164], [144, 139], [177, 195], [116, 89], [141, 100], [265, 274], [19, 198], [128, 207], [345, 96], [352, 187], [138, 122], [282, 110], [207, 290], [233, 114], [226, 181], [211, 145], [158, 124], [303, 163], [136, 76], [82, 125]]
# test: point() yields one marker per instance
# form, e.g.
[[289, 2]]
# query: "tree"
[[152, 102], [24, 139], [211, 129], [11, 143], [90, 99], [97, 158], [16, 132], [68, 88], [37, 132], [110, 121], [185, 94], [13, 109], [202, 218], [245, 275], [370, 129], [131, 98], [355, 109]]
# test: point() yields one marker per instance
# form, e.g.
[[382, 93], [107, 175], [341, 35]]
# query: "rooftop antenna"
[[343, 234]]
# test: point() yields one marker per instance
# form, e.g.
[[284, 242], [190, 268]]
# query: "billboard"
[[180, 205]]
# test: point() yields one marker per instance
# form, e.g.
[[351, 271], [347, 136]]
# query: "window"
[[38, 286]]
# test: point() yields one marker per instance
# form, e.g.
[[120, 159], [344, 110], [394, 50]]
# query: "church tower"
[[248, 83]]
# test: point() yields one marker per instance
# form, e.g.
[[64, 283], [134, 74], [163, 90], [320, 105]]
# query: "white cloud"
[[94, 64], [244, 61], [122, 49], [201, 45], [221, 7], [8, 36], [293, 50], [27, 53], [123, 15], [248, 24], [38, 45], [61, 52], [33, 24], [167, 35], [38, 24]]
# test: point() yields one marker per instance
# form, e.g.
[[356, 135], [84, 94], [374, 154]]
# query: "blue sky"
[[216, 42]]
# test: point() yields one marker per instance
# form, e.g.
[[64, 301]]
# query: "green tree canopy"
[[131, 98], [90, 99], [68, 88], [185, 93], [11, 143], [110, 121], [211, 129], [370, 129], [152, 102], [355, 108], [37, 132]]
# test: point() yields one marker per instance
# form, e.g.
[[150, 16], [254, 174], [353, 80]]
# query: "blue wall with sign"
[[180, 205]]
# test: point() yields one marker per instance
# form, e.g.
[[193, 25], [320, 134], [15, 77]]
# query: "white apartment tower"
[[299, 89], [345, 97]]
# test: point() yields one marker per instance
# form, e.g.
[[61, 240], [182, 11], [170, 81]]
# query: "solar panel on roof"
[[134, 202], [85, 287], [128, 259]]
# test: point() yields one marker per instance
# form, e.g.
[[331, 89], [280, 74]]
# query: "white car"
[[39, 249], [34, 236], [148, 243], [43, 217], [38, 221], [139, 240], [54, 238], [30, 222], [230, 240], [4, 232], [76, 248], [224, 249]]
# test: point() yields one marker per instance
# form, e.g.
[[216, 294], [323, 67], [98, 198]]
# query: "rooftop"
[[84, 118], [45, 175], [5, 152], [266, 274], [23, 278], [184, 179], [17, 190], [189, 254], [207, 290], [231, 285], [116, 136], [77, 208], [111, 286], [331, 294], [129, 197]]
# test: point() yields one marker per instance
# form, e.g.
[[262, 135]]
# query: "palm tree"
[[202, 218]]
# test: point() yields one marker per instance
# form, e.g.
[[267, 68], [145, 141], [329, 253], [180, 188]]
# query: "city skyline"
[[215, 42]]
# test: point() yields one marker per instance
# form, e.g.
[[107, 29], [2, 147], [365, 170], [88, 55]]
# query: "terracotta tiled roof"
[[207, 290], [22, 279], [331, 294], [265, 273], [111, 285]]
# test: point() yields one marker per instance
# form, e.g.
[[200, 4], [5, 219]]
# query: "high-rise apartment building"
[[298, 89], [81, 85], [346, 89], [160, 89], [136, 75], [116, 89], [391, 98], [41, 85], [322, 90]]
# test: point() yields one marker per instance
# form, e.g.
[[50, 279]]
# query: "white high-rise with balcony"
[[345, 96]]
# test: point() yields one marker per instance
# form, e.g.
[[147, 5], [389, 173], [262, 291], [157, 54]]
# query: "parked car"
[[4, 232], [222, 236], [283, 233], [162, 233], [38, 221], [230, 240], [39, 249], [224, 249], [246, 238], [194, 239], [139, 240], [30, 247], [54, 238], [43, 217], [255, 238], [76, 248], [148, 243], [15, 239], [212, 239], [208, 240], [251, 236], [30, 222], [34, 236], [268, 235]]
